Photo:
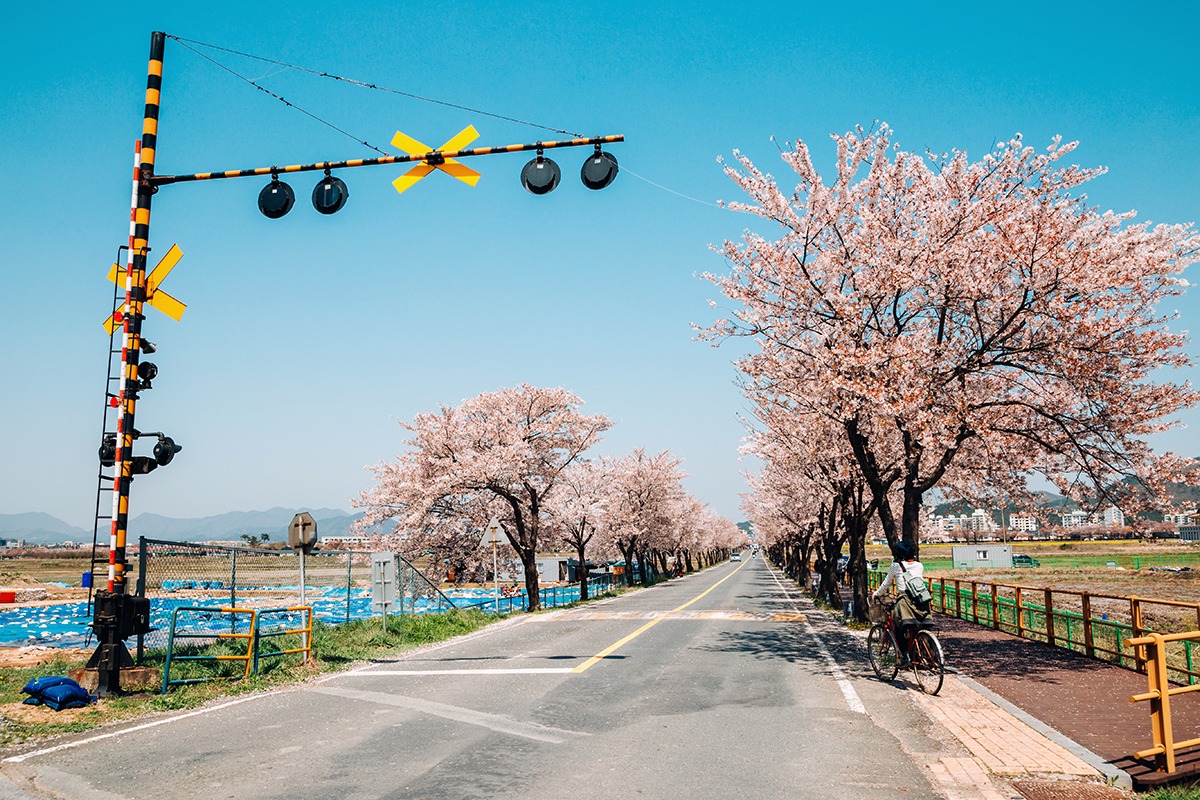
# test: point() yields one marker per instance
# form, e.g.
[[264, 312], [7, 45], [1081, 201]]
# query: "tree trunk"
[[583, 570], [643, 567], [627, 554], [532, 584]]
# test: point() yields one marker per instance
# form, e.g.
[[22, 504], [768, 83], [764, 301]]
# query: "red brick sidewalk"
[[1084, 699]]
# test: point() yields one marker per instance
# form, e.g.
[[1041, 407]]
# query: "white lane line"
[[495, 627], [852, 698], [142, 727], [495, 722], [513, 671]]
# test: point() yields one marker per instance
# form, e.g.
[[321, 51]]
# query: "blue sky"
[[306, 338]]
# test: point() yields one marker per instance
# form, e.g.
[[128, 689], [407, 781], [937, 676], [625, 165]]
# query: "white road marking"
[[852, 698], [495, 722], [142, 727], [513, 671]]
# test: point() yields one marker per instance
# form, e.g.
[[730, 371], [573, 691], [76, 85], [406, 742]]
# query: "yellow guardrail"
[[1159, 696], [208, 634], [305, 632]]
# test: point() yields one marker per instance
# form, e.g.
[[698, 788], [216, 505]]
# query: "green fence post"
[[1187, 651]]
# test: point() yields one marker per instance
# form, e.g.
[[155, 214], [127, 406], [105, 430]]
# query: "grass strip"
[[334, 648]]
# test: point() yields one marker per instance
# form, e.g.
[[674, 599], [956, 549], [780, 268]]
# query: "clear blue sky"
[[306, 338]]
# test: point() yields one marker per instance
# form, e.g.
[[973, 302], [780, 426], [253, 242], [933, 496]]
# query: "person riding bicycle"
[[904, 566]]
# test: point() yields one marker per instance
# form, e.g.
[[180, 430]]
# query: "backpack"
[[916, 590]]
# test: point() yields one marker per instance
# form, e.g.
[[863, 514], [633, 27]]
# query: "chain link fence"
[[337, 584]]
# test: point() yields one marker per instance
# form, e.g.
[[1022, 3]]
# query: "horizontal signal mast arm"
[[432, 157]]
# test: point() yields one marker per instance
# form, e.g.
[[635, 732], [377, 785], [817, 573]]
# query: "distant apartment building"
[[1075, 518], [1023, 523], [979, 521], [1112, 517]]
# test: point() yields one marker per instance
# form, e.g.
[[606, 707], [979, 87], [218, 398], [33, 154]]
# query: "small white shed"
[[982, 556]]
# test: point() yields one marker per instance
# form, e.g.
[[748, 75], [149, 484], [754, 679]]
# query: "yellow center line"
[[612, 648]]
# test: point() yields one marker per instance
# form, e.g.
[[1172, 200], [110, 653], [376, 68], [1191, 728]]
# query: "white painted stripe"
[[494, 722], [852, 699], [514, 671], [142, 727]]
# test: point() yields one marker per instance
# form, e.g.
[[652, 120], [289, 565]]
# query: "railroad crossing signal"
[[454, 169], [154, 296]]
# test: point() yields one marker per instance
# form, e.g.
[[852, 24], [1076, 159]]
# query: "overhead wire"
[[188, 44], [363, 84], [280, 98]]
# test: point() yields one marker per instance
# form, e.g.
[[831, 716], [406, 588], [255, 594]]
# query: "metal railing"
[[1159, 696], [208, 625], [1103, 626], [304, 631], [337, 583]]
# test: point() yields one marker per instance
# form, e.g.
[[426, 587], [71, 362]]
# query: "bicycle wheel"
[[928, 663], [881, 651]]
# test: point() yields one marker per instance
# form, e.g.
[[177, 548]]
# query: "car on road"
[[1022, 560], [736, 557]]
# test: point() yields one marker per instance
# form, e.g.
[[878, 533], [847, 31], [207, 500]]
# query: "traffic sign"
[[154, 296], [302, 532], [493, 533], [454, 169]]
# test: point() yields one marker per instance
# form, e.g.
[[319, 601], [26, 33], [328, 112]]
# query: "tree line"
[[518, 455], [928, 324]]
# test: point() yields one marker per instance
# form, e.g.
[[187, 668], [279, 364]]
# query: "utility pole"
[[117, 614]]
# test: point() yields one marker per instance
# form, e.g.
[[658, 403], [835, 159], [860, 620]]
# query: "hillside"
[[42, 528]]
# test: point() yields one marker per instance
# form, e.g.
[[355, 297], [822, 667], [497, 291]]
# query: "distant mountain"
[[39, 528]]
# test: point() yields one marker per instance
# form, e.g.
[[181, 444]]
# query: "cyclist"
[[904, 565]]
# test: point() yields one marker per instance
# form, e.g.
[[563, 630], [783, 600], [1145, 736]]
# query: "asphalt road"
[[716, 685]]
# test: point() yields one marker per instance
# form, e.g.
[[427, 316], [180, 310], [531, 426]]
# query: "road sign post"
[[302, 536], [383, 583], [492, 534]]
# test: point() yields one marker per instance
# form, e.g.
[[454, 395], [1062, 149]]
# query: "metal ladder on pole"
[[102, 519]]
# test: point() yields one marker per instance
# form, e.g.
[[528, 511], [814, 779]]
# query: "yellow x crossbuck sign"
[[154, 296], [454, 169]]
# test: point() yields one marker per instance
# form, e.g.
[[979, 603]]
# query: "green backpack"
[[916, 590]]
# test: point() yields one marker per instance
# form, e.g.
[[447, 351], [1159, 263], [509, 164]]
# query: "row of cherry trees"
[[931, 323], [518, 455]]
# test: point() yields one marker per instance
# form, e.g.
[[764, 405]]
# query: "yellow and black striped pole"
[[433, 157], [135, 298], [115, 611]]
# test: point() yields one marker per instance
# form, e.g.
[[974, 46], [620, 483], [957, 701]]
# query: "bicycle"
[[924, 651]]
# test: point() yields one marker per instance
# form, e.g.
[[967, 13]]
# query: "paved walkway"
[[1037, 721]]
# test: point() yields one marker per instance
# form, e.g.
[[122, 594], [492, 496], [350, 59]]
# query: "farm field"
[[1145, 569]]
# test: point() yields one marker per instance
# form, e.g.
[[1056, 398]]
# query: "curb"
[[1113, 775]]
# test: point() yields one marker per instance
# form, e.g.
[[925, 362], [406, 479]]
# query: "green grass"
[[1190, 791], [334, 648]]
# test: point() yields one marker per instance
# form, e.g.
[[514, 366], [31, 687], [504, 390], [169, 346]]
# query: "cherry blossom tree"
[[940, 310], [577, 509], [643, 491], [500, 453]]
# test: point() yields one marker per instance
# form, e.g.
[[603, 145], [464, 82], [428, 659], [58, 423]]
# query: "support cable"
[[187, 42]]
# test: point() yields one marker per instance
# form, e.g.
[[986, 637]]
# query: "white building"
[[981, 520], [1112, 517], [1075, 518], [1023, 523]]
